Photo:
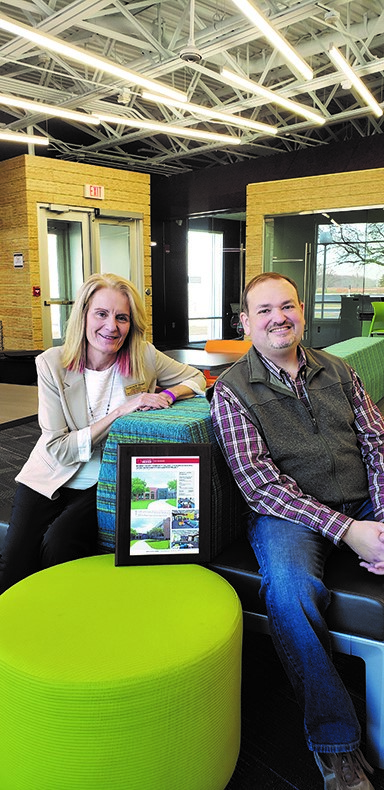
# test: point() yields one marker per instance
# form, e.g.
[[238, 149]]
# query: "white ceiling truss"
[[152, 38]]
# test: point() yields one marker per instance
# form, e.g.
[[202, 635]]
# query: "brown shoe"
[[344, 771]]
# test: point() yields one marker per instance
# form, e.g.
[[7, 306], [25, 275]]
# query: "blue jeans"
[[292, 558]]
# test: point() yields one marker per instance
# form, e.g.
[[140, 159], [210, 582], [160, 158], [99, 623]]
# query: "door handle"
[[307, 269], [48, 302]]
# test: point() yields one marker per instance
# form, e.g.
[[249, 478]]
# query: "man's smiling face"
[[275, 318]]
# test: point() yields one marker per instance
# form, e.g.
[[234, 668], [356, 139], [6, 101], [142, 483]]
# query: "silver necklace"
[[109, 399]]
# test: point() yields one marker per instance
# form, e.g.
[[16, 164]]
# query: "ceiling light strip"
[[46, 109], [271, 96], [165, 128], [340, 62], [33, 139], [46, 41], [274, 38], [209, 112]]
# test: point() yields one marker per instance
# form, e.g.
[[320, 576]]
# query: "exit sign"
[[94, 191]]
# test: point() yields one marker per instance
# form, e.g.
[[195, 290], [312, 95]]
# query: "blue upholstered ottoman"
[[186, 421]]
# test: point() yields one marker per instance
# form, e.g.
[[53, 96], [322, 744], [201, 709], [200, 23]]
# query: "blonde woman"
[[104, 370]]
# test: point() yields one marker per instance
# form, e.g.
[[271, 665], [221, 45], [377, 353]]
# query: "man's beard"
[[279, 342]]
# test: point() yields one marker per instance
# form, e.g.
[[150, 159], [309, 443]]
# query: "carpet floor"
[[16, 442]]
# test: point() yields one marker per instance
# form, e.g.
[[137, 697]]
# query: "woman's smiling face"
[[107, 324]]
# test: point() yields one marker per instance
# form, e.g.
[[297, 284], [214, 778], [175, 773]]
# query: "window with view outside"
[[350, 260], [205, 285]]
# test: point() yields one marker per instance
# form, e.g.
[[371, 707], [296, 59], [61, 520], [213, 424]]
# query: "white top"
[[105, 391]]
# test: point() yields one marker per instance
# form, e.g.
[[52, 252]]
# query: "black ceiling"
[[151, 39]]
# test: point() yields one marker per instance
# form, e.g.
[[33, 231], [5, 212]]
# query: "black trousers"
[[44, 532]]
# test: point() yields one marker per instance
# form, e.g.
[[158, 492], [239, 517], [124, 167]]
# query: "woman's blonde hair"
[[130, 355]]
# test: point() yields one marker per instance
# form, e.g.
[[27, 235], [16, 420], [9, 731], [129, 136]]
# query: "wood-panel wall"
[[333, 191], [27, 181]]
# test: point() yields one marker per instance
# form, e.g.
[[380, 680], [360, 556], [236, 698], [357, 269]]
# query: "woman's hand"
[[145, 401]]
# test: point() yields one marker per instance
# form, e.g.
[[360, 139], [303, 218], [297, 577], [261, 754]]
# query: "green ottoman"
[[121, 678]]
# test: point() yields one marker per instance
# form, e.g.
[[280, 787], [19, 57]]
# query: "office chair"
[[228, 346], [224, 347], [377, 323], [209, 377]]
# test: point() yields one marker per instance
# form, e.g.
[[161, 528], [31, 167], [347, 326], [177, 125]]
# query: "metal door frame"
[[48, 211], [89, 217]]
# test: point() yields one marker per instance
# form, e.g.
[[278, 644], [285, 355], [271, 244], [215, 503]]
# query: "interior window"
[[350, 260], [205, 285]]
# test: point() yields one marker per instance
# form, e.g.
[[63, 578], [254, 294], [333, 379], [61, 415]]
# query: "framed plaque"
[[163, 512]]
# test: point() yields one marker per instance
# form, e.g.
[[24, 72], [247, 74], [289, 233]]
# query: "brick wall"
[[27, 181]]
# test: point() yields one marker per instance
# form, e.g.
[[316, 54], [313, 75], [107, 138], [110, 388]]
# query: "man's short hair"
[[261, 278]]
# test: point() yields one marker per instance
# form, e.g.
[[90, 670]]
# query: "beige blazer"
[[62, 411]]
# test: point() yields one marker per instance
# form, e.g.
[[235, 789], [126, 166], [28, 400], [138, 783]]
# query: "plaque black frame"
[[167, 450]]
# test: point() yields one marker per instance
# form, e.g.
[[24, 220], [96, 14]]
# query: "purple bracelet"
[[171, 395]]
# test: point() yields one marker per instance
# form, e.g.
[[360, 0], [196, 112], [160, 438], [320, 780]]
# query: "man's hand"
[[366, 538]]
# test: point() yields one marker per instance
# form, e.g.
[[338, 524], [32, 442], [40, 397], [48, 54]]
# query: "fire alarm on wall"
[[36, 290]]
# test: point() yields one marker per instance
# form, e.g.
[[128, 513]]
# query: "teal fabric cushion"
[[186, 421]]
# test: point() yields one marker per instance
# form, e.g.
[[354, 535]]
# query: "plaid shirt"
[[265, 489]]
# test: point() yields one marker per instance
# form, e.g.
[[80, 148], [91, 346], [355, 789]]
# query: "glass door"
[[336, 258], [65, 257], [118, 248], [288, 249], [73, 243]]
